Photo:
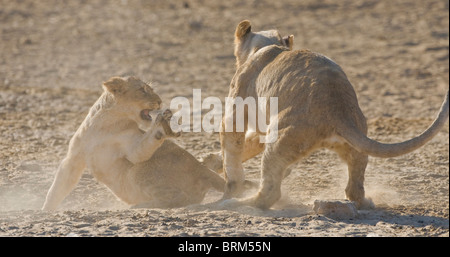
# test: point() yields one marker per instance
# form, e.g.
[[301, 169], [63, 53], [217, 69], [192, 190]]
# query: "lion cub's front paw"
[[164, 120], [167, 115]]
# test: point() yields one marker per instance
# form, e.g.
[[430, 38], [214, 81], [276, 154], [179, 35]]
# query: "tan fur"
[[317, 108], [130, 154]]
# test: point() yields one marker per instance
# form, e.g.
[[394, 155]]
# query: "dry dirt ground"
[[54, 55]]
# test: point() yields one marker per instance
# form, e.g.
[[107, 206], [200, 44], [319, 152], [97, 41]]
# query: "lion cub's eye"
[[142, 90]]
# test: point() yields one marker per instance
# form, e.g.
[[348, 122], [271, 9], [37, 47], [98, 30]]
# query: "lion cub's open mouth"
[[145, 115]]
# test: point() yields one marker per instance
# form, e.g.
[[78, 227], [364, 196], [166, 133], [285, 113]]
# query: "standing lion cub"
[[125, 149], [317, 107]]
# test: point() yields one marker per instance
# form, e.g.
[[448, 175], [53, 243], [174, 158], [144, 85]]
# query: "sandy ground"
[[55, 54]]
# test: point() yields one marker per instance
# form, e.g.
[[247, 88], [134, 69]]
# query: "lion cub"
[[317, 107], [126, 149]]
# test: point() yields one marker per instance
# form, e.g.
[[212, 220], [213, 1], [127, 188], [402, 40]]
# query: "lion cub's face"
[[248, 42], [134, 98]]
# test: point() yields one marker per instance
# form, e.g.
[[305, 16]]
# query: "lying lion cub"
[[126, 150], [317, 107]]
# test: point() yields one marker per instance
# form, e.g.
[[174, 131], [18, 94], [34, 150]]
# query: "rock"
[[114, 227], [337, 209]]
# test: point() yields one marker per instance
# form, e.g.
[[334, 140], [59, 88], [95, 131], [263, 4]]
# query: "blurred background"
[[181, 45]]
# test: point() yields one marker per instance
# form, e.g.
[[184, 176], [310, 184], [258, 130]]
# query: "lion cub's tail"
[[371, 147]]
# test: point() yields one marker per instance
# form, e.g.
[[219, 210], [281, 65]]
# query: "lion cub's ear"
[[242, 29], [289, 41], [115, 85]]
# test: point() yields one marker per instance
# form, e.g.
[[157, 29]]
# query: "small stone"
[[337, 209], [114, 227]]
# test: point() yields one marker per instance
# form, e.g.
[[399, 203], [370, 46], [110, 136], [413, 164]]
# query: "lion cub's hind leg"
[[276, 159], [357, 163]]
